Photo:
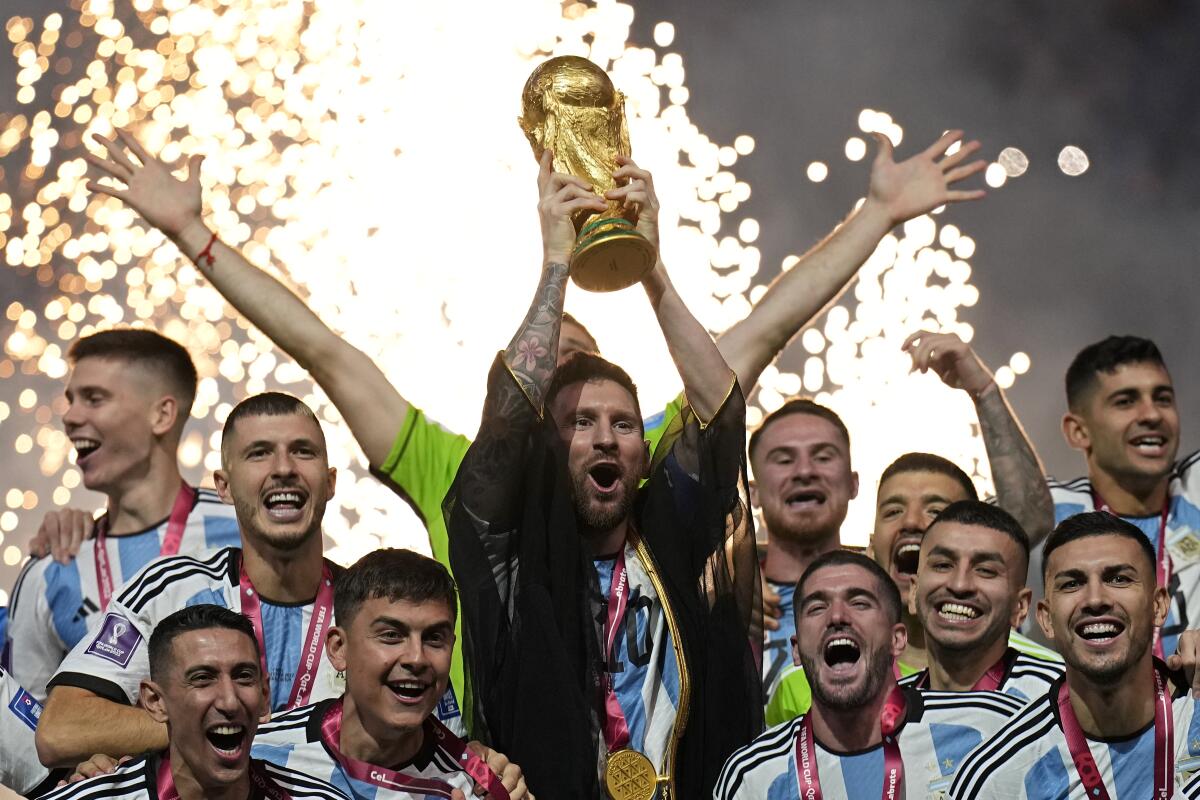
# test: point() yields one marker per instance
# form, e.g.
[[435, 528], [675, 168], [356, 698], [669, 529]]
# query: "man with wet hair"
[[1109, 728], [969, 594], [864, 736], [381, 739], [207, 688], [129, 395]]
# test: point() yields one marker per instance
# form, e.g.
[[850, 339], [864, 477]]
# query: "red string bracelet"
[[206, 253]]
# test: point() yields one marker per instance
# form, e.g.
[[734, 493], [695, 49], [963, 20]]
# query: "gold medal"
[[629, 775]]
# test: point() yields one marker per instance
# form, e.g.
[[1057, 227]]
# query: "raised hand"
[[560, 196], [509, 773], [166, 202], [635, 191], [61, 533], [921, 183], [951, 358]]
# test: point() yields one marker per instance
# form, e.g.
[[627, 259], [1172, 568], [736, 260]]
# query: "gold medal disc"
[[629, 775]]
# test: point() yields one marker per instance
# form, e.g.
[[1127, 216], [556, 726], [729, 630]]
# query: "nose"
[[603, 437], [913, 518], [413, 656], [803, 468], [1094, 599], [226, 699], [1149, 411], [282, 464], [74, 416], [960, 582]]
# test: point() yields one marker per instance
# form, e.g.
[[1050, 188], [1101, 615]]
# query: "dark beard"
[[877, 672], [600, 518]]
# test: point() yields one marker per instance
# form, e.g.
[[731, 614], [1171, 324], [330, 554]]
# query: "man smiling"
[[1109, 729], [380, 739], [207, 688], [864, 737]]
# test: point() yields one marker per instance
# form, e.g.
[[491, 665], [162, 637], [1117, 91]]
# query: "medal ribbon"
[[990, 682], [166, 782], [1164, 744], [616, 729], [185, 501], [473, 765], [808, 778], [1163, 564], [314, 639]]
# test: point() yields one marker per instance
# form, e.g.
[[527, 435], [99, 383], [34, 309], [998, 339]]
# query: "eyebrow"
[[851, 593], [198, 668], [1106, 570], [393, 622], [270, 443], [925, 498]]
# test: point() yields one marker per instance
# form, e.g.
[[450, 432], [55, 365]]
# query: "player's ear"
[[335, 648], [899, 639], [853, 485], [1075, 431], [1043, 619], [163, 415], [1021, 607], [221, 482], [150, 697]]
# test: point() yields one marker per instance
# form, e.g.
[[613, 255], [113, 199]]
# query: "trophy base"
[[610, 254]]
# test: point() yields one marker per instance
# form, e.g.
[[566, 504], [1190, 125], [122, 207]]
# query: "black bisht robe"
[[531, 604]]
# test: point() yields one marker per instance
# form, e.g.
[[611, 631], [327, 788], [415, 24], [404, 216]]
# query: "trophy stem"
[[610, 254]]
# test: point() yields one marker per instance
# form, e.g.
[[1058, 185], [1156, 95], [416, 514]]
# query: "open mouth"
[[227, 740], [1150, 445], [84, 447], [906, 557], [957, 612], [841, 651], [805, 499], [285, 505], [605, 476], [1099, 631], [408, 691]]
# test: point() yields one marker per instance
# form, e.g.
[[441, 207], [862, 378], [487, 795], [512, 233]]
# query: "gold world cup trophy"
[[570, 106]]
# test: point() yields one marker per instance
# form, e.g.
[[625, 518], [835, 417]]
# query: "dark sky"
[[1061, 261]]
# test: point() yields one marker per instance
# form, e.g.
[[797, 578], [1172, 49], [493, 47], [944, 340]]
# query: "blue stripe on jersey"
[[64, 596], [207, 597], [1132, 765], [784, 787], [862, 774], [1149, 526], [221, 532], [1193, 735], [275, 753], [352, 788], [135, 552], [1048, 778], [1184, 514], [1064, 510], [951, 744], [283, 632], [777, 653]]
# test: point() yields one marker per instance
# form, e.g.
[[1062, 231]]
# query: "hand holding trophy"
[[570, 107]]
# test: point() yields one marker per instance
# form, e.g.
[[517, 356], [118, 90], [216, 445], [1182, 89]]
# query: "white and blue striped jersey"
[[1183, 540], [113, 660], [293, 740], [645, 670], [1028, 758], [777, 652], [1026, 677], [54, 605], [20, 769], [939, 730], [138, 780]]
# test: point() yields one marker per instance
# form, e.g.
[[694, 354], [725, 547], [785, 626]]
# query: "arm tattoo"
[[532, 355], [1020, 483]]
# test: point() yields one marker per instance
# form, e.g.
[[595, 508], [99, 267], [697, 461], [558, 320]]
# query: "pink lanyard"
[[808, 778], [616, 729], [990, 681], [314, 640], [473, 765], [185, 501], [1163, 567], [167, 791], [1164, 744]]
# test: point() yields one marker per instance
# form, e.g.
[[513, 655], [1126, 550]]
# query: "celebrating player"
[[129, 395], [276, 473], [864, 736], [1110, 728], [395, 631], [206, 687], [970, 594]]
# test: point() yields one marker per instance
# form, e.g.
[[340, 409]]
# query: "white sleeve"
[[35, 648], [20, 769], [112, 660]]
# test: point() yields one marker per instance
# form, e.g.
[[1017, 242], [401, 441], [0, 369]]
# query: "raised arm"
[[897, 193], [706, 377], [1020, 480], [77, 724], [371, 406]]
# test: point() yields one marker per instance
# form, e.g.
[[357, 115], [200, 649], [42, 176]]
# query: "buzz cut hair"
[[928, 462], [986, 515], [266, 404], [148, 350], [800, 405], [1106, 356], [886, 589], [394, 574], [1095, 523], [201, 617]]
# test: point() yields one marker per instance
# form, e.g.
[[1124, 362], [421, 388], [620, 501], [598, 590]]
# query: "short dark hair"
[[396, 575], [1095, 523], [149, 350], [266, 404], [1106, 356], [889, 594], [568, 318], [800, 405], [201, 617], [985, 515], [589, 368], [928, 462]]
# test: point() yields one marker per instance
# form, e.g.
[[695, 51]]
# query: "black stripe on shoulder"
[[97, 686], [125, 781], [912, 680], [1029, 725], [298, 784], [989, 701], [1077, 485], [164, 571], [15, 597], [771, 744], [1187, 463], [295, 719]]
